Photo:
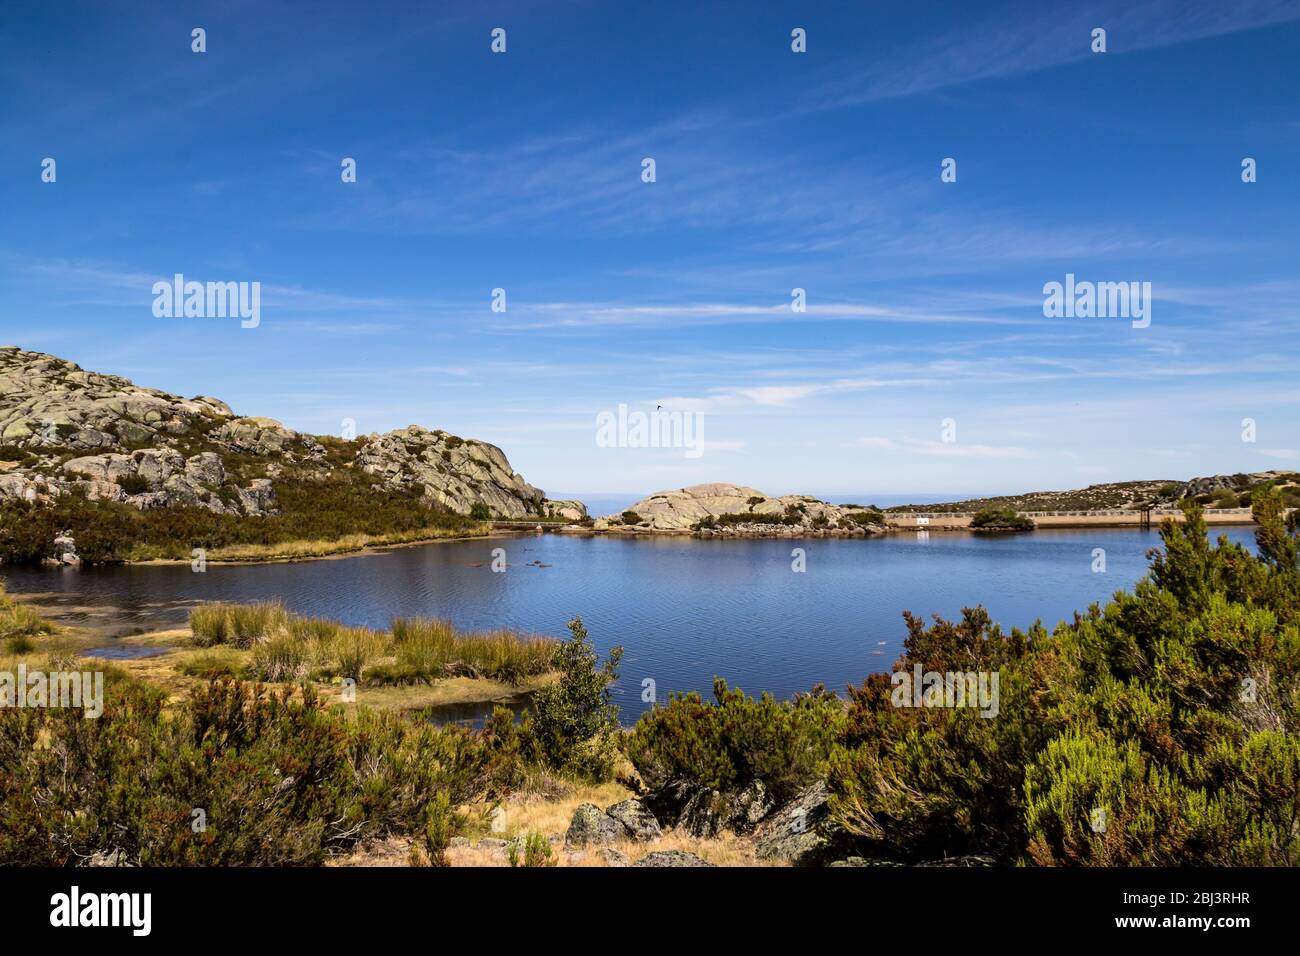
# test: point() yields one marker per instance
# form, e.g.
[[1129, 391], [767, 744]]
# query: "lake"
[[684, 609]]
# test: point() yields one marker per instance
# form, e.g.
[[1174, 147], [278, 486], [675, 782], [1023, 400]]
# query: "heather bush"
[[1157, 730], [278, 777], [736, 740]]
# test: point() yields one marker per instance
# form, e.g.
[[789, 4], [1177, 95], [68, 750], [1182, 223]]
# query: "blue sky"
[[775, 170]]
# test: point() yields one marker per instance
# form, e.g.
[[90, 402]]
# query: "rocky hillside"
[[64, 430], [718, 510], [1221, 491]]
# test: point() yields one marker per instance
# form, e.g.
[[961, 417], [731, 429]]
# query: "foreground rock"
[[637, 820], [723, 510], [591, 826], [795, 833], [64, 430], [671, 858], [627, 820]]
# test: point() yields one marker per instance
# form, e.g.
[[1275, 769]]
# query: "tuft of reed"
[[19, 623], [430, 647], [282, 658], [353, 648], [288, 647], [240, 625]]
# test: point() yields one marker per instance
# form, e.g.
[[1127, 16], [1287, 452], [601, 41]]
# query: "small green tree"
[[575, 718], [537, 851]]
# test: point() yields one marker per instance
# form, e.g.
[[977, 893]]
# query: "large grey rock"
[[568, 508], [591, 826], [452, 472], [680, 510], [750, 807], [795, 833], [703, 816], [671, 858], [636, 817]]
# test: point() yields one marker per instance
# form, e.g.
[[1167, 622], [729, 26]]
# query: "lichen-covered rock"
[[453, 472], [750, 807], [267, 438], [568, 508], [794, 833], [671, 858], [637, 819], [703, 816], [46, 401], [591, 826]]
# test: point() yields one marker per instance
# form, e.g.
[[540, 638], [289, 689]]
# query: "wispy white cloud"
[[1016, 39]]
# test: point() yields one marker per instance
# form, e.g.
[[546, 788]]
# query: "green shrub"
[[631, 517], [479, 511], [866, 517], [537, 851], [575, 720], [1224, 498], [280, 780], [736, 741], [1000, 519], [133, 484], [347, 502], [1158, 730]]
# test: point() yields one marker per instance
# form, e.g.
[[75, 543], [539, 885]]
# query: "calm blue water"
[[685, 610]]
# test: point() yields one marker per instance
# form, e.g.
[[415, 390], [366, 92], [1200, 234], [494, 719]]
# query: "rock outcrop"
[[64, 430], [637, 820], [591, 826], [795, 833], [626, 820], [720, 510], [453, 472]]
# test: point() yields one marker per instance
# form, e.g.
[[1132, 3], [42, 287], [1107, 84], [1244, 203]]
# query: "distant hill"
[[1223, 491]]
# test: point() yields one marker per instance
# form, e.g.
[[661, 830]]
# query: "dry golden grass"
[[525, 813]]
